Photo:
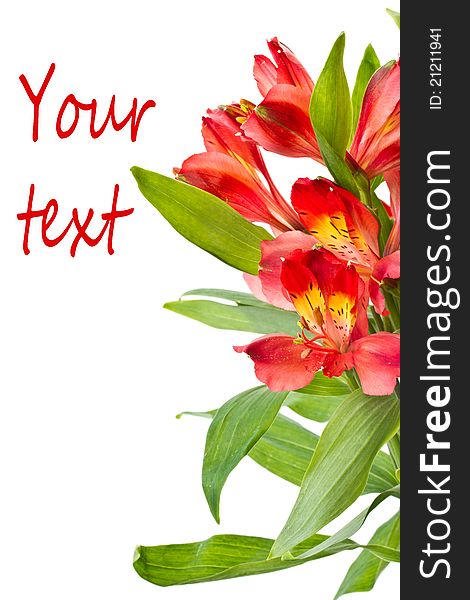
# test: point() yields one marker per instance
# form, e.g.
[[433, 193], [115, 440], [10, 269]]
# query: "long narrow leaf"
[[235, 429], [286, 450], [204, 220], [369, 65], [330, 108], [220, 557], [256, 319], [319, 399], [365, 570], [340, 466], [241, 298], [353, 526]]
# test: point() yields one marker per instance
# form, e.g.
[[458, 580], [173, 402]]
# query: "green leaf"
[[375, 182], [206, 414], [382, 474], [365, 570], [258, 317], [395, 16], [340, 466], [353, 527], [330, 107], [342, 173], [204, 220], [240, 298], [385, 221], [236, 428], [369, 65], [319, 399], [286, 450], [220, 557]]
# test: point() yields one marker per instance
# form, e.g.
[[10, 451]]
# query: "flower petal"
[[386, 267], [226, 177], [222, 133], [376, 143], [325, 294], [265, 73], [337, 220], [254, 284], [272, 253], [341, 306], [377, 362], [304, 290], [289, 69], [282, 364], [336, 363], [362, 318], [281, 123]]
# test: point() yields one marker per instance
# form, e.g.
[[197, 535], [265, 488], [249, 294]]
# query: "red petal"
[[304, 290], [265, 74], [289, 69], [324, 293], [362, 318], [325, 266], [272, 252], [387, 152], [376, 144], [377, 362], [337, 220], [281, 364], [341, 307], [254, 283], [345, 295], [281, 123], [388, 266], [336, 363], [225, 177], [222, 133]]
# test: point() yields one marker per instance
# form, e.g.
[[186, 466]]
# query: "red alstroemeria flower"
[[345, 227], [329, 299], [231, 169], [340, 223], [281, 122], [376, 143]]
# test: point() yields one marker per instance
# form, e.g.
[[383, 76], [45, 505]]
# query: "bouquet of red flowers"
[[325, 295]]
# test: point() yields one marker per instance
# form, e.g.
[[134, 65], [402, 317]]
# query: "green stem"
[[351, 380], [378, 321], [394, 309], [373, 326], [389, 324]]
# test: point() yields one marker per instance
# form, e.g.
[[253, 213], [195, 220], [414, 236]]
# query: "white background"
[[93, 369]]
